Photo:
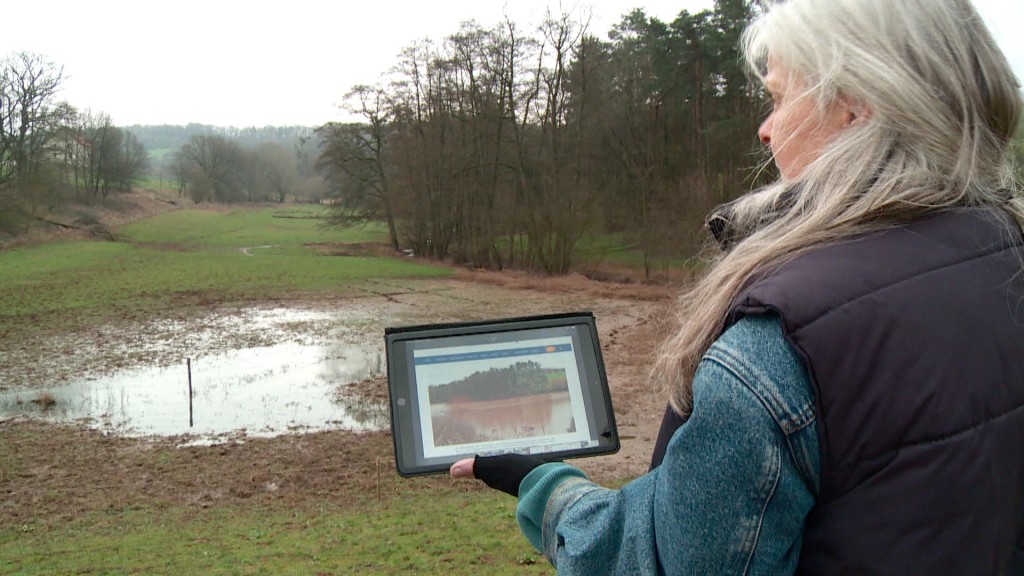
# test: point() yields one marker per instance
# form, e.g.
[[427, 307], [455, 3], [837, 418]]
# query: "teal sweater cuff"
[[534, 492]]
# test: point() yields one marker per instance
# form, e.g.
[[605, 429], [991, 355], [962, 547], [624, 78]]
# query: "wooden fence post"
[[188, 362]]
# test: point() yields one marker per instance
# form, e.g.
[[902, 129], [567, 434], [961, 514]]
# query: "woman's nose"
[[764, 133]]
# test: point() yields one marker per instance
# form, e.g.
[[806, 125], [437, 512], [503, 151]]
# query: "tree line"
[[514, 381], [502, 148], [173, 136], [215, 167], [228, 164], [51, 151]]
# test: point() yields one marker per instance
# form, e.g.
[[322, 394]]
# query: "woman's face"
[[795, 129]]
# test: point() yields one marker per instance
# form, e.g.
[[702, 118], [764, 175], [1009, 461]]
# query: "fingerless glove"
[[506, 471]]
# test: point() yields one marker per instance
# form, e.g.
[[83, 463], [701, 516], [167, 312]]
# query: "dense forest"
[[500, 147], [520, 379]]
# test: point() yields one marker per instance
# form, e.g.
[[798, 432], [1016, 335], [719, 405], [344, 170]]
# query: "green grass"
[[241, 254], [239, 228], [442, 530], [156, 182], [157, 155], [616, 248]]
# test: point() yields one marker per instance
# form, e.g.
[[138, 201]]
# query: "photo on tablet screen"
[[530, 385], [500, 397]]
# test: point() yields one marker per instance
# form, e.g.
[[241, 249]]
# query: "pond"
[[256, 391]]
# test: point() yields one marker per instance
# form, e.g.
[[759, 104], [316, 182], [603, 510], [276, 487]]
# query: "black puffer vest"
[[914, 342]]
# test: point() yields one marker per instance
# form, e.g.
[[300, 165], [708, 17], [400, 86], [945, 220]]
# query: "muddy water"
[[259, 391], [257, 372], [261, 370]]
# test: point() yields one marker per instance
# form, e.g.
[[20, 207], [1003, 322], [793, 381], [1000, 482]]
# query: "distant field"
[[157, 155], [156, 182], [594, 251], [238, 254]]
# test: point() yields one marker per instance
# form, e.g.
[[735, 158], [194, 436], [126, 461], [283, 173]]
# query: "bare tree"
[[133, 160], [28, 111], [101, 141], [277, 170], [557, 199], [208, 168], [496, 148], [100, 157], [30, 118], [354, 156]]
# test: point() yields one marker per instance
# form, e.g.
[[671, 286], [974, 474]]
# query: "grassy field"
[[181, 256], [412, 531], [596, 249], [182, 259]]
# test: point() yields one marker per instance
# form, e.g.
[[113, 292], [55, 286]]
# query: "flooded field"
[[278, 368], [254, 372], [277, 386], [256, 391]]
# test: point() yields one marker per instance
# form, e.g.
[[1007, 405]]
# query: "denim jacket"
[[732, 493]]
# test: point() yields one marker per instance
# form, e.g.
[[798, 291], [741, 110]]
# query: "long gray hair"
[[943, 106]]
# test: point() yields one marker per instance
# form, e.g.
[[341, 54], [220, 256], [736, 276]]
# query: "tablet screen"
[[532, 385]]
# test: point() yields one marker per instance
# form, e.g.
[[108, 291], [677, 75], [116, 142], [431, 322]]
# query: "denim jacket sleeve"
[[732, 493]]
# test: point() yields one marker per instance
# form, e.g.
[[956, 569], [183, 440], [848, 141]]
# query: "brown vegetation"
[[45, 400]]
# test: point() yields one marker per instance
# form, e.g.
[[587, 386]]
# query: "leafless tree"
[[498, 148], [277, 170], [353, 156], [30, 117], [209, 168]]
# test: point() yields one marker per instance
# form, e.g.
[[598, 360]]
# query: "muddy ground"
[[52, 473]]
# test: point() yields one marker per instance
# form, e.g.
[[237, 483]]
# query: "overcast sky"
[[257, 63]]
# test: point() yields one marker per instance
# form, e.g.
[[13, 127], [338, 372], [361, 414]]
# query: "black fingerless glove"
[[506, 471]]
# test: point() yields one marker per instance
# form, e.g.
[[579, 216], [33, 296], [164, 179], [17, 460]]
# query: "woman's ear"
[[856, 112]]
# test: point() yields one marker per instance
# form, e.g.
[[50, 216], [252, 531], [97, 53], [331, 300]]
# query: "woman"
[[847, 384]]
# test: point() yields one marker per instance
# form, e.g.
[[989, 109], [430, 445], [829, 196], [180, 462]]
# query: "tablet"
[[532, 385]]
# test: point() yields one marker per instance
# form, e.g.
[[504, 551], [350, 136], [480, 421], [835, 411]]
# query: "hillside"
[[82, 220]]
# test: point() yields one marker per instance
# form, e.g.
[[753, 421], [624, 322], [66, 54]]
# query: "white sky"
[[257, 63]]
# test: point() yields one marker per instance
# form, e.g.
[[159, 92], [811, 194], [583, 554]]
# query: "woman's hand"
[[462, 469], [504, 472]]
